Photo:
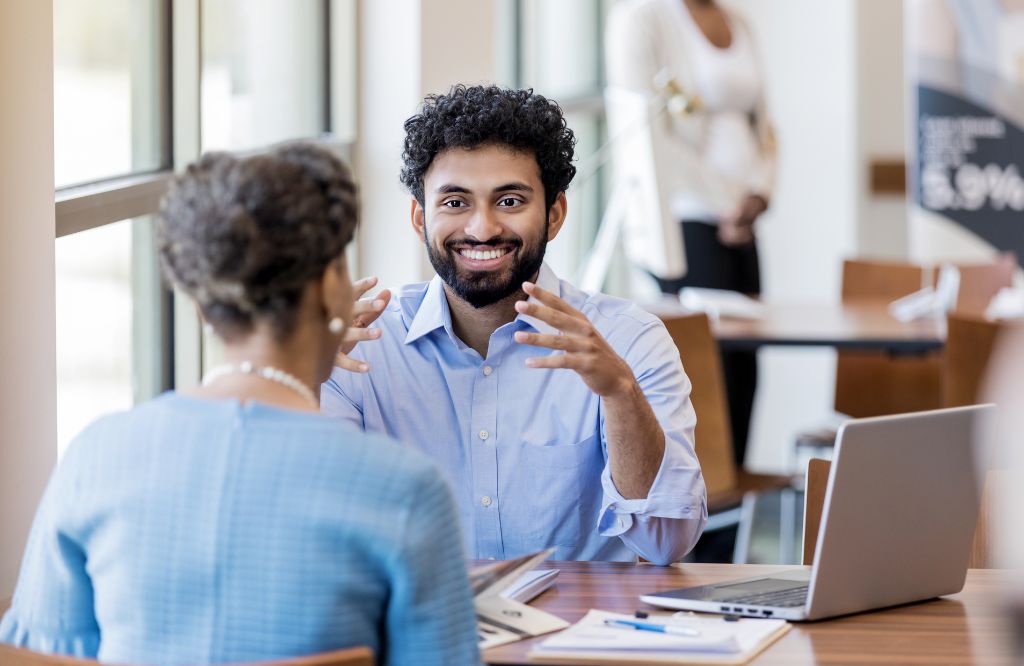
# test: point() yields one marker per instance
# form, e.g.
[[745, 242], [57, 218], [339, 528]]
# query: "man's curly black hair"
[[469, 117]]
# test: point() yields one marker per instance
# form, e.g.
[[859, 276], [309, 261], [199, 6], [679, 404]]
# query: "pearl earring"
[[336, 325]]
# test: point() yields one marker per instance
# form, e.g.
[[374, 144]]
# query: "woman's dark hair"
[[489, 115], [243, 236]]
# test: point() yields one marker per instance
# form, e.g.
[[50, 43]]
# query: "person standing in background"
[[725, 148]]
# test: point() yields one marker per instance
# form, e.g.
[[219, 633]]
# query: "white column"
[[409, 48], [28, 404], [881, 219], [809, 54]]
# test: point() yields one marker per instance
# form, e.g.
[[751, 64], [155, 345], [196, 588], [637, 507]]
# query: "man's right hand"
[[364, 313]]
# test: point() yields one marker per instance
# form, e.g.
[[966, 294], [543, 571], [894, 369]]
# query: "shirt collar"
[[433, 312]]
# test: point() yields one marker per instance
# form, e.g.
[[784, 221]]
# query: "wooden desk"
[[966, 628], [865, 325]]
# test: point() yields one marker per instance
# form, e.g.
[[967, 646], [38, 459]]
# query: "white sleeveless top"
[[727, 81], [723, 152]]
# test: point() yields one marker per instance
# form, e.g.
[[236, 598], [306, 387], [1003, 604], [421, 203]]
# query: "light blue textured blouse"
[[190, 531]]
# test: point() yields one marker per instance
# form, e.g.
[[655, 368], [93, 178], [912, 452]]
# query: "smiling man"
[[560, 418]]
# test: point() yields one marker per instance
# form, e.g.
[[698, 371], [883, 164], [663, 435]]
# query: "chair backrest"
[[881, 280], [969, 344], [698, 350], [874, 383], [814, 502], [358, 656], [983, 548], [980, 282]]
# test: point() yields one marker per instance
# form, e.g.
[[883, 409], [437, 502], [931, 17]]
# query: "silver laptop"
[[897, 525]]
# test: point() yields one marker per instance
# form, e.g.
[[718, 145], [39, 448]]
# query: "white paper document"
[[528, 587], [501, 619], [717, 303], [712, 640]]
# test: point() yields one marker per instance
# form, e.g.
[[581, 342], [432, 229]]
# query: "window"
[[568, 66], [109, 312], [139, 89], [263, 72], [108, 92]]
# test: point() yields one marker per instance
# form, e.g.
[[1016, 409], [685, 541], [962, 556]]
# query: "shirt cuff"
[[664, 500]]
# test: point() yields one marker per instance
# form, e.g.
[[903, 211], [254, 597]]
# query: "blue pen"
[[650, 626]]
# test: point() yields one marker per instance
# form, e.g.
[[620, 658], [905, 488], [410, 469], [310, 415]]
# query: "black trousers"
[[714, 265]]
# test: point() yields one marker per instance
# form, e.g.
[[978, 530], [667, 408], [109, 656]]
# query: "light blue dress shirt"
[[190, 531], [525, 449]]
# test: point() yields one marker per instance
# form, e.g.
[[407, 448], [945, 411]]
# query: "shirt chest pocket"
[[557, 491]]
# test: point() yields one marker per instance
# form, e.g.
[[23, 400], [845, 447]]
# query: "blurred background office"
[[103, 99]]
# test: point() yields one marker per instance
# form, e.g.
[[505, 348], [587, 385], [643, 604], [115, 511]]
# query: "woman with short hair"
[[233, 522]]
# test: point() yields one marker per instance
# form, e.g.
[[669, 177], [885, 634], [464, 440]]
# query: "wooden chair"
[[876, 383], [970, 341], [980, 282], [358, 656], [814, 502], [729, 489]]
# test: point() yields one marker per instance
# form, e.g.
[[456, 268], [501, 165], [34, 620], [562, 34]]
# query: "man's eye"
[[509, 202], [454, 203]]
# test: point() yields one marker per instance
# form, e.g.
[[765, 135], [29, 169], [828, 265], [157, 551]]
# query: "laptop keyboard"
[[788, 598]]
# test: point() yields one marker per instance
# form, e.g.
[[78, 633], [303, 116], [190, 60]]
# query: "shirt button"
[[484, 434], [485, 500], [488, 370]]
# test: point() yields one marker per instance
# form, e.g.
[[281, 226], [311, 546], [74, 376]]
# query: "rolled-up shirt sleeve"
[[666, 524]]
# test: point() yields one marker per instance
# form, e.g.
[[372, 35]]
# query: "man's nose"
[[483, 225]]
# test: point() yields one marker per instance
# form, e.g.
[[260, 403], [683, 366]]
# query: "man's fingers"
[[363, 285], [566, 343], [560, 320], [355, 334], [565, 361], [365, 312], [549, 299], [346, 362]]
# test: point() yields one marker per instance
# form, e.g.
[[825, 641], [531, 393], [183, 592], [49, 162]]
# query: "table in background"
[[965, 628], [865, 325]]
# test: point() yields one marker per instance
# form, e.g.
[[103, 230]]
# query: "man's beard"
[[483, 288]]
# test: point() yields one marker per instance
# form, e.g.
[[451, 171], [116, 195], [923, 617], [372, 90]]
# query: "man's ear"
[[556, 215], [417, 219]]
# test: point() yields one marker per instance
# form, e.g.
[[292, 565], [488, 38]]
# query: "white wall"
[[881, 125], [809, 52], [28, 421], [410, 48]]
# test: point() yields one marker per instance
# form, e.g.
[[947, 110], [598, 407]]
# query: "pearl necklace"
[[266, 372]]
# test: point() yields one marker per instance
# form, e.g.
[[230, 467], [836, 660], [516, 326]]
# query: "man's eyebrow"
[[453, 189], [514, 186]]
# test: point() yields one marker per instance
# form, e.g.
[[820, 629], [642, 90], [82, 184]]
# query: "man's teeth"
[[483, 255]]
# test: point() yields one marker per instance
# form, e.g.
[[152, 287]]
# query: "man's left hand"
[[585, 350]]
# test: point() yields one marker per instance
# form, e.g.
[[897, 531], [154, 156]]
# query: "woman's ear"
[[336, 290], [556, 215]]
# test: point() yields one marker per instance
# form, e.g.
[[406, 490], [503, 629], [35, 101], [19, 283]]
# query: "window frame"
[[176, 357], [589, 104]]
